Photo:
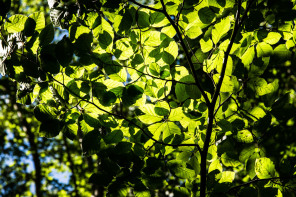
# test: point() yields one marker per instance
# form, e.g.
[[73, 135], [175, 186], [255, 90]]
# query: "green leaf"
[[154, 69], [123, 21], [281, 53], [104, 34], [193, 31], [93, 20], [142, 193], [263, 50], [123, 49], [150, 114], [229, 160], [220, 29], [251, 152], [206, 46], [176, 114], [262, 88], [217, 3], [83, 43], [91, 143], [114, 137], [227, 84], [30, 26], [16, 24], [149, 119], [178, 168], [245, 136], [272, 38], [39, 19], [248, 56], [49, 62], [131, 94], [162, 108], [46, 35], [215, 165], [158, 19], [64, 51], [227, 176], [143, 19], [50, 128], [168, 58], [116, 72], [108, 98], [85, 127], [206, 15], [151, 38], [264, 168], [93, 122], [169, 31], [181, 192], [44, 113], [185, 91]]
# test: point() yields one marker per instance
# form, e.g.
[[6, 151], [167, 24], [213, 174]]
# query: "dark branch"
[[145, 6], [186, 54], [226, 55]]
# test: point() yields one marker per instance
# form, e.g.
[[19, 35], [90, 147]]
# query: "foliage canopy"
[[194, 98]]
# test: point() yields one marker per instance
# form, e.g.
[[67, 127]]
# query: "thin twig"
[[221, 104], [242, 109], [227, 52], [179, 13], [145, 6], [146, 74], [258, 180]]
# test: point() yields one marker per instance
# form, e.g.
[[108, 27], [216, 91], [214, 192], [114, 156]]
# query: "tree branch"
[[145, 6], [258, 180], [211, 107], [72, 167], [186, 54], [226, 55]]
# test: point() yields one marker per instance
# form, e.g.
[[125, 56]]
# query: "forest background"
[[147, 98]]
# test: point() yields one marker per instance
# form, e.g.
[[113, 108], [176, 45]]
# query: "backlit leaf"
[[264, 168], [16, 24], [220, 29]]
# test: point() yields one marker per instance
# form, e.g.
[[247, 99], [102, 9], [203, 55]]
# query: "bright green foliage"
[[194, 98], [264, 168]]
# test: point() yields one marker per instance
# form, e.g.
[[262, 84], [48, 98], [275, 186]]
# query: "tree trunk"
[[72, 167]]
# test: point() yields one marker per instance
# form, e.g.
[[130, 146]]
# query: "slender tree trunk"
[[204, 153], [100, 188], [34, 149], [72, 167], [90, 163]]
